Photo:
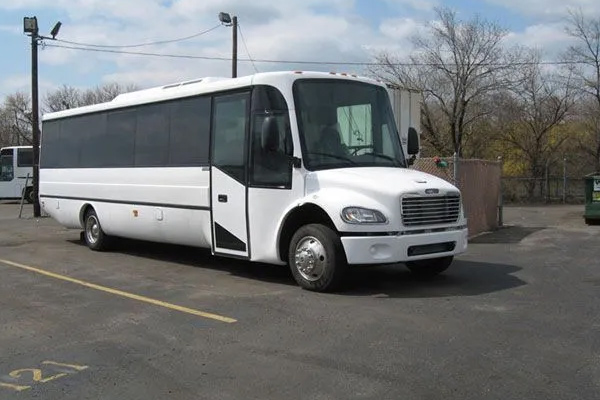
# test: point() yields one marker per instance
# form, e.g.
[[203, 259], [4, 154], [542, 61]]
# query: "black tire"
[[29, 195], [320, 245], [429, 268], [93, 235], [590, 221]]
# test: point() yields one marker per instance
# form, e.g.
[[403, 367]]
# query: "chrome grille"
[[430, 210]]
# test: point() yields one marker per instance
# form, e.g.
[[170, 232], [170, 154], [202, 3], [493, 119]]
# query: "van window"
[[6, 169]]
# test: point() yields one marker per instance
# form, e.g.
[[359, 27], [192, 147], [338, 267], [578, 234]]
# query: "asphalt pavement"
[[516, 317]]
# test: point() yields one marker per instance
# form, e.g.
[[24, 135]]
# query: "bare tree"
[[15, 120], [586, 53], [456, 67], [62, 98], [69, 97], [531, 115], [104, 93]]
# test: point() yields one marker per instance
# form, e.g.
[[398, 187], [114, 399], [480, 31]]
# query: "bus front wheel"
[[94, 236], [316, 258]]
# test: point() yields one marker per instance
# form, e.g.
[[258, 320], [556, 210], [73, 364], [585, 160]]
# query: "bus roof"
[[201, 86]]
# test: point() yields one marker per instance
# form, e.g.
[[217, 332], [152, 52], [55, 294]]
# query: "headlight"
[[358, 215]]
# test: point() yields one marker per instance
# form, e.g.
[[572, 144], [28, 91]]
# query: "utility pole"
[[36, 123], [228, 20], [234, 50], [30, 26]]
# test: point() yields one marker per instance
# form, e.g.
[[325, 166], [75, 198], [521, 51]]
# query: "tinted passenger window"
[[190, 132], [70, 141], [50, 145], [120, 138], [24, 157], [152, 136], [230, 134], [94, 144], [173, 133]]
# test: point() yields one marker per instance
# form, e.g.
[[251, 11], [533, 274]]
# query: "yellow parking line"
[[121, 293]]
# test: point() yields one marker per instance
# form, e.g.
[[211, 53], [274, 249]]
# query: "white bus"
[[15, 164], [297, 168]]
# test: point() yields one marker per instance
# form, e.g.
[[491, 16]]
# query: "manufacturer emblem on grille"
[[432, 191]]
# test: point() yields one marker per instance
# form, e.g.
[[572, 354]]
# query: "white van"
[[16, 163], [297, 168]]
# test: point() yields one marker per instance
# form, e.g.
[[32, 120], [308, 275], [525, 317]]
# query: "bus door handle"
[[222, 198]]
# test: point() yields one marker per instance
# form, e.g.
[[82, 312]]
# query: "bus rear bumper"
[[402, 248]]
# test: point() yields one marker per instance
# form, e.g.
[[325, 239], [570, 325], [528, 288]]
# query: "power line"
[[246, 47], [139, 44], [302, 62], [139, 53]]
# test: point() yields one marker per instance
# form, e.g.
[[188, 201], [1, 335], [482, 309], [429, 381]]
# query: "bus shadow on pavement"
[[201, 258], [506, 234], [463, 278]]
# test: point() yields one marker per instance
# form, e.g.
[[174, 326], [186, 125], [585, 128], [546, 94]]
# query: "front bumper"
[[400, 248]]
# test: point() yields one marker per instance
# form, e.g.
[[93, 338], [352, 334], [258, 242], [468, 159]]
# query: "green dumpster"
[[592, 199]]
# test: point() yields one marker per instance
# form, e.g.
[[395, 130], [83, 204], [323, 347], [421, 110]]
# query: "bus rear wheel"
[[317, 259], [94, 236]]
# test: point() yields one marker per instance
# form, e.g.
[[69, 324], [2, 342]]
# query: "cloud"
[[549, 38], [283, 30], [22, 83], [14, 29], [418, 5], [549, 8], [291, 30]]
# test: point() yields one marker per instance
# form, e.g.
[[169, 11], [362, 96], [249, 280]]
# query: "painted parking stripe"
[[121, 293]]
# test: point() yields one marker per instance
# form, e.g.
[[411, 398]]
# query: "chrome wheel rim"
[[92, 229], [310, 258]]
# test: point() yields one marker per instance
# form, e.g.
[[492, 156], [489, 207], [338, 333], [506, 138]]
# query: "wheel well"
[[83, 212], [303, 215]]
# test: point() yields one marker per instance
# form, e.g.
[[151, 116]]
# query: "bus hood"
[[387, 181]]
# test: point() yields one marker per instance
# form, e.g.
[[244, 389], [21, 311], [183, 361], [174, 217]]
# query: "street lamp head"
[[225, 18], [30, 25], [55, 30]]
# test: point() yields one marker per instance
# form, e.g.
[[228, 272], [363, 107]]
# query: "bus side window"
[[6, 169], [271, 151]]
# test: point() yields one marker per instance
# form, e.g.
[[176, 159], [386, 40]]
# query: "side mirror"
[[413, 141]]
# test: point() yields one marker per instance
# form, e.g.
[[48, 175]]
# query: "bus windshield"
[[346, 124]]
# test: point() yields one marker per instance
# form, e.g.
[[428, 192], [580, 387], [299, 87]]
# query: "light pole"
[[30, 26], [227, 20]]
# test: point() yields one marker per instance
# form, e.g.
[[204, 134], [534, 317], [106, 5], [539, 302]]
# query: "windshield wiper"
[[384, 156], [334, 156]]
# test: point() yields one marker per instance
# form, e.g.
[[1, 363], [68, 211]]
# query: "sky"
[[284, 30]]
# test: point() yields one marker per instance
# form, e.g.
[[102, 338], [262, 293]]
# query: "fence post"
[[547, 183], [500, 197], [565, 180], [455, 161]]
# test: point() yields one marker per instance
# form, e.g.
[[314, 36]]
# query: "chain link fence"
[[480, 184], [553, 189]]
